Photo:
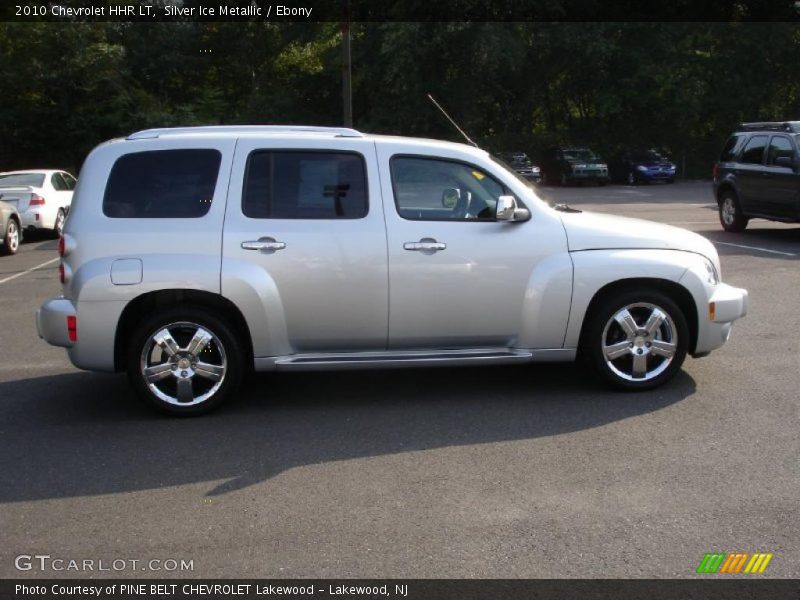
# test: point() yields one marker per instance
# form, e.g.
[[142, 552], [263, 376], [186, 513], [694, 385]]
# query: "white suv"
[[194, 255]]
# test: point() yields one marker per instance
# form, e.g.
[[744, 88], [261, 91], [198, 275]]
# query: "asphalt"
[[528, 471]]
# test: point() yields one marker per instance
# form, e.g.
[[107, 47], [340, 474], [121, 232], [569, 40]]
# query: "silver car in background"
[[195, 255]]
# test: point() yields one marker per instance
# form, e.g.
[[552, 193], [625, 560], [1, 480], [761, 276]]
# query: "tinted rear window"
[[754, 150], [162, 184], [305, 185], [731, 146], [31, 179]]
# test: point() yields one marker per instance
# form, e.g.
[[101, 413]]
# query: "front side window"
[[754, 150], [779, 146], [162, 184], [290, 184], [433, 189]]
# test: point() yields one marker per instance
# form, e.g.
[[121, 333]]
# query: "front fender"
[[595, 269]]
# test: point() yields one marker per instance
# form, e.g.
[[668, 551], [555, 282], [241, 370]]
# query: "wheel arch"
[[150, 302], [726, 186], [675, 291]]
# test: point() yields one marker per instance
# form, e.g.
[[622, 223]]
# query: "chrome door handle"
[[267, 244], [425, 246]]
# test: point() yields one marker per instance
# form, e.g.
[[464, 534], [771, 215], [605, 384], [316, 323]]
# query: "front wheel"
[[184, 361], [636, 340]]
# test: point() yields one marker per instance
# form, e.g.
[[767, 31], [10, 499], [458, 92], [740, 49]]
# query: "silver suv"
[[192, 256]]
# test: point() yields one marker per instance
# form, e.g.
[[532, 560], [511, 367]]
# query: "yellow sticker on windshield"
[[478, 175]]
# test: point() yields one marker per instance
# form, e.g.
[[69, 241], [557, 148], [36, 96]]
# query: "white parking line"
[[44, 264], [749, 248]]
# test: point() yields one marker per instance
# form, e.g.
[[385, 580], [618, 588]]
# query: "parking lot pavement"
[[479, 472]]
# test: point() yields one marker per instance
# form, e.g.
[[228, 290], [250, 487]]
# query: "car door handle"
[[267, 244], [425, 246]]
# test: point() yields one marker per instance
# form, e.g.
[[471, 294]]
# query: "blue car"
[[642, 166]]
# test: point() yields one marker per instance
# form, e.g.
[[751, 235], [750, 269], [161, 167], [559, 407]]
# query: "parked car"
[[520, 162], [641, 166], [573, 165], [10, 232], [196, 254], [758, 175], [42, 197]]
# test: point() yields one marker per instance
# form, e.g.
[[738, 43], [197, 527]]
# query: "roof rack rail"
[[788, 126], [234, 129]]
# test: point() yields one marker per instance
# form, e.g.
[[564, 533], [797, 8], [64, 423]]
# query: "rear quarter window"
[[162, 184], [731, 148]]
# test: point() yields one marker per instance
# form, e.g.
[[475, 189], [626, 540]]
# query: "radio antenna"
[[444, 112]]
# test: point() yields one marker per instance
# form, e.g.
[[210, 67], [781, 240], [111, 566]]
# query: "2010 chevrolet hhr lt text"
[[191, 256]]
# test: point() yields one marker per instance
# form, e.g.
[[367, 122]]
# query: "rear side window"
[[162, 184], [731, 146], [753, 152], [305, 185]]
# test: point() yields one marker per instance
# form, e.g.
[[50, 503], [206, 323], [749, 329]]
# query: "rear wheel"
[[184, 361], [636, 339], [730, 213], [12, 237]]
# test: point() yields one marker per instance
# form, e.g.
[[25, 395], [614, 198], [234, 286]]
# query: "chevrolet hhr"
[[194, 255]]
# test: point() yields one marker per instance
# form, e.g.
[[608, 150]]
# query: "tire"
[[640, 353], [12, 237], [171, 361], [730, 213], [58, 228]]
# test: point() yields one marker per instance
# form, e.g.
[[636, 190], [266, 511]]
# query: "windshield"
[[512, 171], [580, 154], [31, 179], [648, 155]]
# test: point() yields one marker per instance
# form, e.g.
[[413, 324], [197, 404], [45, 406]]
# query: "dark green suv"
[[758, 175]]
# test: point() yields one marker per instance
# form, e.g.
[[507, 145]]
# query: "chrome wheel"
[[639, 342], [12, 237], [58, 228], [727, 210], [183, 364]]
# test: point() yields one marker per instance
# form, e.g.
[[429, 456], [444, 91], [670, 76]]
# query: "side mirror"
[[785, 161], [507, 210]]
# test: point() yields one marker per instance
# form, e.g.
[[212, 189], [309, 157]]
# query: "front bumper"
[[726, 305], [51, 321]]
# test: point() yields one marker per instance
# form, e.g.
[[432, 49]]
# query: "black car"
[[641, 166], [758, 175], [564, 165], [520, 162]]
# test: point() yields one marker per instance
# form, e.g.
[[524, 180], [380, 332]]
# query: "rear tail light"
[[72, 328], [36, 200], [61, 275], [61, 247], [715, 171]]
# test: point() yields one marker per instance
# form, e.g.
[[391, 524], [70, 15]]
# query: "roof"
[[787, 126], [244, 129]]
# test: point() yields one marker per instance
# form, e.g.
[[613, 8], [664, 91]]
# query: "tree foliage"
[[512, 86]]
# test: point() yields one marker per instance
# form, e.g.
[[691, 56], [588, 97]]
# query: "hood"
[[595, 231]]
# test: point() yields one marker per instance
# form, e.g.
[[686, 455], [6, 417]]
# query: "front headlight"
[[713, 276], [641, 168]]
